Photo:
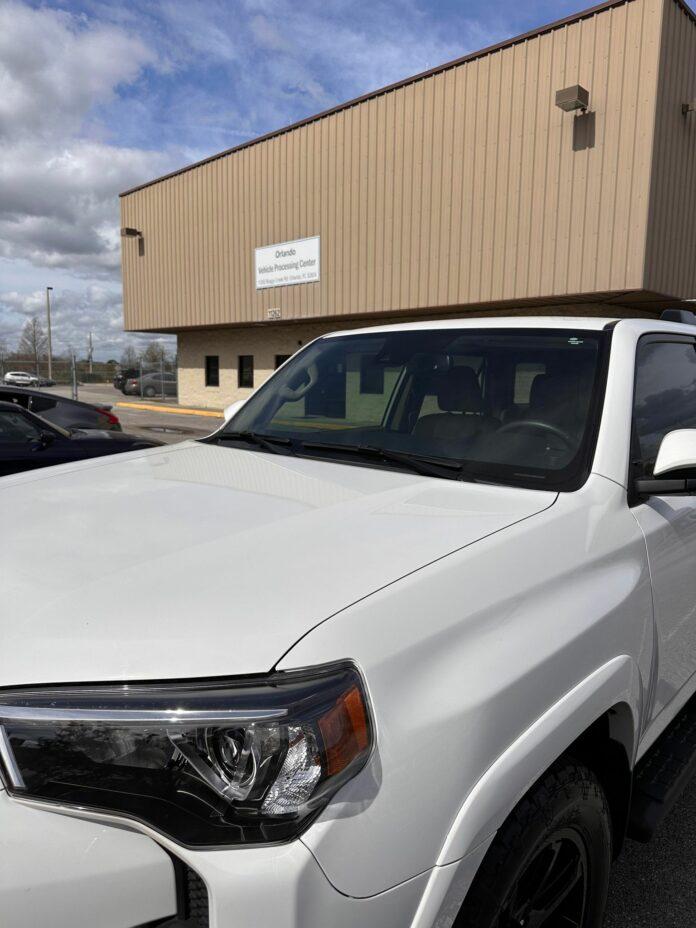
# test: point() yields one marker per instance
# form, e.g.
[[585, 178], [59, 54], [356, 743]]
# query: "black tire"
[[549, 864], [149, 391]]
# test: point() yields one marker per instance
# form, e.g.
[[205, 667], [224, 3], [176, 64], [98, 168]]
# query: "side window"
[[41, 404], [16, 428], [665, 394]]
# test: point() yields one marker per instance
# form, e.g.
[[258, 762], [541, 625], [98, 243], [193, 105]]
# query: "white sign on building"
[[287, 263]]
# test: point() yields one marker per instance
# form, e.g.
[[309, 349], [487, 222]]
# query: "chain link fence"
[[146, 380]]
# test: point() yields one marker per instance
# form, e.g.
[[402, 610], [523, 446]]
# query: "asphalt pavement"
[[654, 885], [165, 425]]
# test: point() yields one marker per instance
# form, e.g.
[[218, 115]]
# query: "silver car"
[[21, 379]]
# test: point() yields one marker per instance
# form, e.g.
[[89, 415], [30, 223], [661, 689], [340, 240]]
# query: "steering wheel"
[[539, 426], [286, 392]]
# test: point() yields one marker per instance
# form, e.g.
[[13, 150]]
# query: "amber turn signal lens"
[[345, 731]]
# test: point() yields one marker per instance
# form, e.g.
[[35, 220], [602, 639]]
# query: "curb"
[[175, 410]]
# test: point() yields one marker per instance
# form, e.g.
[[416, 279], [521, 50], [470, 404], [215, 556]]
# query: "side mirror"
[[232, 409], [43, 441], [677, 453]]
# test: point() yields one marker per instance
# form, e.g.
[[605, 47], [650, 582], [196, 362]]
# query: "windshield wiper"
[[420, 463], [267, 442]]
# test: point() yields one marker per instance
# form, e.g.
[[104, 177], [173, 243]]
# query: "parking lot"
[[148, 420]]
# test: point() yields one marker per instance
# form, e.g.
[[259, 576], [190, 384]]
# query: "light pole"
[[48, 318]]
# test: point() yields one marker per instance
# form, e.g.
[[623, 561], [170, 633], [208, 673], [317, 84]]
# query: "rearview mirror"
[[675, 458]]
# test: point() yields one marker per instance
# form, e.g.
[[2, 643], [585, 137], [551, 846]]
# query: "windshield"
[[506, 406]]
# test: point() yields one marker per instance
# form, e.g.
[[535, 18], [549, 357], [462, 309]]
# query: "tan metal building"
[[466, 189]]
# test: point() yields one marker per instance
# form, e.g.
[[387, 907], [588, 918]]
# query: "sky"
[[96, 97]]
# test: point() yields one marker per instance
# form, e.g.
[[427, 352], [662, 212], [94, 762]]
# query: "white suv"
[[21, 379], [404, 643]]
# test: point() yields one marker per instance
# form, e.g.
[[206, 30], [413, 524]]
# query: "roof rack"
[[685, 316]]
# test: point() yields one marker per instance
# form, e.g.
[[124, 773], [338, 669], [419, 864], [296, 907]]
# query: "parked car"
[[409, 641], [21, 379], [28, 442], [68, 413], [152, 384], [123, 375]]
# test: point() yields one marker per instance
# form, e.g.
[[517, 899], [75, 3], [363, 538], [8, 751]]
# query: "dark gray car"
[[152, 384], [70, 414]]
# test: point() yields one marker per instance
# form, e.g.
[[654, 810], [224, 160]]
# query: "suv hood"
[[196, 560]]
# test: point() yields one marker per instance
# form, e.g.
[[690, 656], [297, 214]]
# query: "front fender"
[[501, 787], [497, 792]]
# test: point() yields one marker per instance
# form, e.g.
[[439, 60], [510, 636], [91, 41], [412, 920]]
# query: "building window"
[[245, 370], [212, 370], [371, 375], [281, 359]]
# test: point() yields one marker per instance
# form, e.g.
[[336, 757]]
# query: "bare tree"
[[33, 342], [155, 353], [130, 357]]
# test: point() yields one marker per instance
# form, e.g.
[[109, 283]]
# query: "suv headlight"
[[210, 763]]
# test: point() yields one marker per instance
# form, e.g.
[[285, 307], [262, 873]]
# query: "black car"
[[127, 373], [70, 414], [27, 441]]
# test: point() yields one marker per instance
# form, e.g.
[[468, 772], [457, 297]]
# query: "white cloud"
[[93, 104], [60, 208], [55, 66], [59, 174]]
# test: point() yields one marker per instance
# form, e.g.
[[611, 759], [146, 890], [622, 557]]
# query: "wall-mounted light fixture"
[[573, 98], [689, 107], [127, 232]]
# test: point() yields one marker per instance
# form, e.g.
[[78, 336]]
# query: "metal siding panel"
[[626, 147], [514, 182], [367, 229], [388, 198], [617, 53], [500, 203], [460, 164], [462, 187], [398, 204], [566, 167], [671, 247], [586, 174], [595, 171], [541, 159], [554, 158], [491, 157], [525, 233], [407, 196]]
